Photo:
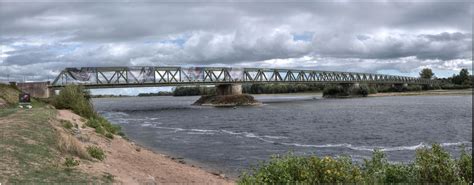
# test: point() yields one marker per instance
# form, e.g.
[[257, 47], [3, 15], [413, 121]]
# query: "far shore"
[[439, 92]]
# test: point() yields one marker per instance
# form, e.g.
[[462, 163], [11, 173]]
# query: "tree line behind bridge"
[[458, 81]]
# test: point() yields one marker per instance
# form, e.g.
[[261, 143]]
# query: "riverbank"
[[428, 92], [30, 154], [131, 163], [46, 145]]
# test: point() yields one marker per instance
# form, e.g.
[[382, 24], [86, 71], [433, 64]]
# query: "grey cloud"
[[394, 45], [360, 34]]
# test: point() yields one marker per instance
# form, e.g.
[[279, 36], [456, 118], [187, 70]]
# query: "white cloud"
[[40, 38]]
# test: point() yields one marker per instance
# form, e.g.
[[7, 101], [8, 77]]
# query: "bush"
[[66, 124], [71, 162], [433, 165], [372, 90], [465, 166], [275, 88], [109, 135], [363, 90], [102, 126], [96, 152], [75, 98], [334, 90], [346, 90]]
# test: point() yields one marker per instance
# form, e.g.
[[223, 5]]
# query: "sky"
[[39, 39]]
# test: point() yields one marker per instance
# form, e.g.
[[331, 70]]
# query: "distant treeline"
[[251, 89], [460, 81], [276, 88], [194, 91], [161, 93], [107, 96]]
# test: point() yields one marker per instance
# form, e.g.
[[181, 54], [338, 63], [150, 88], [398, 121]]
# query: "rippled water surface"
[[232, 139]]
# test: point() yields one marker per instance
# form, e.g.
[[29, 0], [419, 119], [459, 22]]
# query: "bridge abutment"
[[229, 89], [36, 89]]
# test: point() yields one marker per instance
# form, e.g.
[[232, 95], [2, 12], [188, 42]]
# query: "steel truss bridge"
[[149, 76]]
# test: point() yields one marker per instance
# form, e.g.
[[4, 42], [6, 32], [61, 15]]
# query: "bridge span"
[[225, 78]]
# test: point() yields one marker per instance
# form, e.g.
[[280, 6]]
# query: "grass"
[[431, 165], [28, 152], [7, 111], [66, 124], [71, 162], [9, 93], [96, 152], [70, 145], [77, 99]]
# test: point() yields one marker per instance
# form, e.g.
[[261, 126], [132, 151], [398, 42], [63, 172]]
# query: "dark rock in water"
[[227, 100]]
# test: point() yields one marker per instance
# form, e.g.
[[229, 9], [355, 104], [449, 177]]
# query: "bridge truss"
[[109, 77]]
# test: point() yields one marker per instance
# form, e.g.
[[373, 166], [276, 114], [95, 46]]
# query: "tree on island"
[[426, 73]]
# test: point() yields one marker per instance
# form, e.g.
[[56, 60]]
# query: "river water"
[[229, 140]]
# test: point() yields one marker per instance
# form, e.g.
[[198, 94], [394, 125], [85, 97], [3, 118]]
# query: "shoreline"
[[439, 92], [187, 161], [133, 163]]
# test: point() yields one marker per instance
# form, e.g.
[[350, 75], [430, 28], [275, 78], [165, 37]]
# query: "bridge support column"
[[229, 89]]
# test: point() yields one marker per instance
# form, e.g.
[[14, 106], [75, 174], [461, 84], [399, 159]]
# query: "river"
[[229, 140]]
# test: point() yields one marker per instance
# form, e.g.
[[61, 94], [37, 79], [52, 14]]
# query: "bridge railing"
[[156, 76]]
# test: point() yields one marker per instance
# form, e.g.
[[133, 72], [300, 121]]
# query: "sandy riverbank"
[[430, 93], [133, 164]]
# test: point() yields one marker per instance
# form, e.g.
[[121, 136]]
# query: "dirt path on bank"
[[132, 164]]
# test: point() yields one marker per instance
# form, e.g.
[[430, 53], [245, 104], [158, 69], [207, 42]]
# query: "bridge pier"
[[229, 89]]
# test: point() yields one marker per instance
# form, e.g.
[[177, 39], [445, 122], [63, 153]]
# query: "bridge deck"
[[110, 77]]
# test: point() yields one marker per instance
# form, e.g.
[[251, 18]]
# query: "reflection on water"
[[233, 139]]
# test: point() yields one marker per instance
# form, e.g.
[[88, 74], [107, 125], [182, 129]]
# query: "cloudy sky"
[[37, 40]]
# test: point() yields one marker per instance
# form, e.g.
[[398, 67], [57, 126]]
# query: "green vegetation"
[[462, 79], [9, 94], [346, 90], [71, 162], [426, 73], [96, 152], [161, 93], [77, 99], [431, 165], [227, 100], [250, 89], [66, 124], [390, 88], [28, 150], [281, 88], [194, 91], [458, 81], [102, 126], [8, 99]]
